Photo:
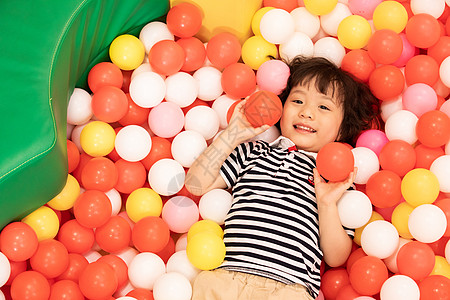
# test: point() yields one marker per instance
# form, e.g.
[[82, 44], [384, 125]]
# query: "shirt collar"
[[285, 143]]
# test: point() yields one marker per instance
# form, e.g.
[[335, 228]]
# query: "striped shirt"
[[272, 228]]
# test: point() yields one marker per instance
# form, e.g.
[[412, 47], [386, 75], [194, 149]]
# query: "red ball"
[[99, 173], [358, 63], [238, 80], [422, 69], [119, 266], [150, 234], [77, 263], [435, 287], [30, 285], [426, 155], [98, 280], [335, 161], [353, 257], [92, 208], [195, 53], [230, 110], [332, 281], [386, 82], [184, 20], [263, 108], [287, 5], [423, 30], [161, 148], [18, 241], [104, 74], [368, 275], [114, 235], [223, 49], [50, 259], [416, 260], [73, 156], [385, 46], [347, 293], [166, 57], [135, 115], [65, 289], [383, 189], [444, 204], [441, 49], [109, 104], [75, 237], [433, 128], [17, 267], [397, 156], [131, 176], [141, 294]]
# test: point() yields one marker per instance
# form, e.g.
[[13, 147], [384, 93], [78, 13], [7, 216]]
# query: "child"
[[283, 220]]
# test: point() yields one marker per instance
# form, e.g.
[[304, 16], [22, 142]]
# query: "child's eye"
[[297, 101], [324, 107]]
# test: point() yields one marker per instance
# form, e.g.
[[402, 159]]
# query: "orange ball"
[[386, 82], [50, 259], [238, 80], [223, 49], [135, 115], [263, 107], [397, 156], [166, 57], [184, 20], [195, 53], [423, 30], [92, 208], [150, 234], [18, 241], [385, 46], [421, 69], [358, 63], [104, 74], [109, 104], [99, 173], [73, 156], [335, 161], [433, 128]]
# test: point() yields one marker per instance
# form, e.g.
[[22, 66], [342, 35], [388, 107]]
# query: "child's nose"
[[306, 112]]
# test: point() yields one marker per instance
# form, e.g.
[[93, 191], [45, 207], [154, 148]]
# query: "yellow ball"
[[256, 20], [44, 222], [205, 226], [320, 7], [67, 197], [97, 138], [390, 15], [257, 50], [441, 267], [127, 52], [142, 203], [205, 250], [400, 216], [358, 231], [354, 32], [420, 186]]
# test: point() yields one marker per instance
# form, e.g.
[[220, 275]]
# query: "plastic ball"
[[30, 285], [50, 259], [390, 15], [335, 161], [427, 223], [426, 155], [399, 286], [367, 275], [202, 119], [65, 289], [73, 156], [272, 76], [205, 250], [184, 19], [214, 205], [433, 128], [180, 213], [166, 57], [416, 260], [435, 8], [367, 163], [401, 125], [133, 143], [143, 202], [127, 52], [92, 208], [98, 280], [160, 149], [131, 176], [172, 285], [76, 237], [140, 294], [238, 80], [223, 49], [440, 50], [67, 197], [221, 106], [422, 30], [256, 50], [166, 120], [354, 209], [389, 107], [209, 81], [408, 52], [391, 261], [385, 46], [97, 138], [181, 89], [419, 98], [44, 222], [354, 32], [154, 32], [114, 235], [195, 53], [179, 262], [305, 21], [331, 49], [441, 267], [145, 269], [263, 108], [364, 8], [166, 177], [187, 146], [440, 167], [330, 22], [373, 139], [147, 89], [99, 173], [444, 71], [384, 189], [434, 287], [386, 82], [397, 156], [358, 63], [205, 226], [79, 109], [104, 74], [400, 217], [109, 104], [380, 239], [276, 26], [332, 281], [18, 241], [298, 44], [421, 69], [321, 7], [150, 234]]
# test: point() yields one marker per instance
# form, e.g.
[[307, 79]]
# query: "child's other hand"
[[329, 193]]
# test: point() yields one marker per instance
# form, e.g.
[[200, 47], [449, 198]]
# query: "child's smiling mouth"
[[304, 128]]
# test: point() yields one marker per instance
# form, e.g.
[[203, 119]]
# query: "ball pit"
[[139, 121]]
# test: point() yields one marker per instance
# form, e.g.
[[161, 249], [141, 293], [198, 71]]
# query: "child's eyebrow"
[[302, 91]]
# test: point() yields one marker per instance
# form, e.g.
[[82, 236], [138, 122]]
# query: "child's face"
[[311, 119]]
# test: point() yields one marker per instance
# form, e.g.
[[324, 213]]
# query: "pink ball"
[[272, 76], [419, 98], [180, 213], [363, 8], [373, 139], [445, 107], [166, 119], [409, 50]]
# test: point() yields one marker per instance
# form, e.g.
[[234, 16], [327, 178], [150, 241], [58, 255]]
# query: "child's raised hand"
[[329, 193]]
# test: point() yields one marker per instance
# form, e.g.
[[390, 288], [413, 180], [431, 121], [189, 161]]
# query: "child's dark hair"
[[360, 106]]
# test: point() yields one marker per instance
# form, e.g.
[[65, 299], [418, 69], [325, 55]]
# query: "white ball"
[[434, 8], [380, 239], [269, 135], [145, 269], [444, 71], [441, 168], [391, 261], [305, 21], [145, 67], [354, 208], [166, 177], [297, 44], [367, 163], [331, 21], [209, 83], [173, 286], [202, 119], [187, 146], [331, 49], [92, 255], [5, 269], [181, 242], [2, 296], [133, 143], [214, 205], [276, 26], [127, 255], [181, 89], [400, 287], [126, 298], [76, 135], [147, 89], [79, 109], [221, 106], [180, 263], [154, 32], [427, 223], [401, 125], [391, 106], [116, 201]]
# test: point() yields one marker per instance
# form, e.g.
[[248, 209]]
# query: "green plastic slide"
[[47, 48]]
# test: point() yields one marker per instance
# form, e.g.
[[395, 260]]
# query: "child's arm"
[[203, 175], [334, 241]]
